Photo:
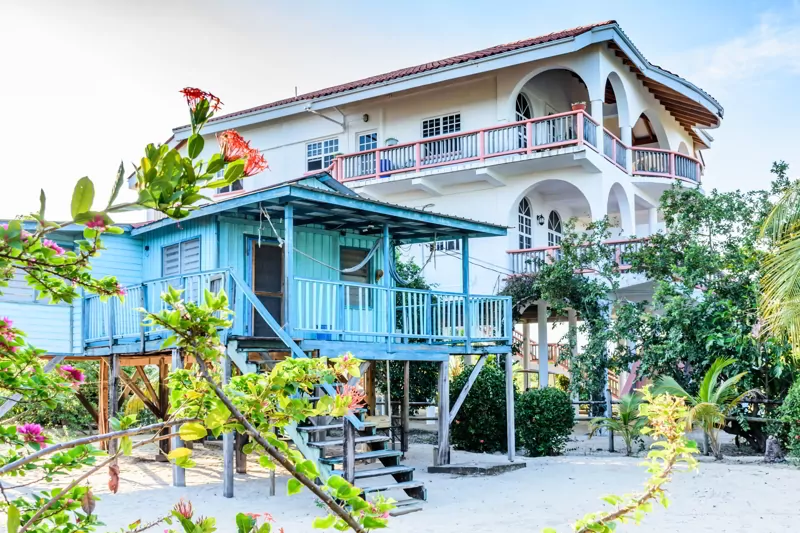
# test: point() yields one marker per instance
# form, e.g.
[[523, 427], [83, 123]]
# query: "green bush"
[[480, 425], [423, 377], [789, 434], [544, 421]]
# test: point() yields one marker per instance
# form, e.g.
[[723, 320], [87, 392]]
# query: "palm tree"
[[713, 402], [780, 279], [629, 423]]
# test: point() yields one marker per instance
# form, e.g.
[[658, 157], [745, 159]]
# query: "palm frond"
[[725, 391], [668, 385], [711, 377]]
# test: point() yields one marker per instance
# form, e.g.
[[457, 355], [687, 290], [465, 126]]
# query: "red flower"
[[256, 163], [98, 223], [31, 433], [195, 96], [184, 509], [233, 146], [356, 398]]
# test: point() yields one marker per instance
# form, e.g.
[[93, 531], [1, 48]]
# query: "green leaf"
[[13, 519], [266, 462], [82, 196], [196, 144], [373, 523], [117, 184], [293, 487], [244, 523], [324, 522], [42, 202], [234, 171], [126, 445], [192, 431], [179, 453]]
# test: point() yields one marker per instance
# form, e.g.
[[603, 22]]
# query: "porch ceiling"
[[342, 211]]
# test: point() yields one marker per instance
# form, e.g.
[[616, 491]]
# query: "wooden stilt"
[[349, 451], [178, 473], [87, 404], [241, 457], [113, 395], [163, 400], [227, 440], [443, 454], [102, 401], [510, 423], [369, 387], [406, 405]]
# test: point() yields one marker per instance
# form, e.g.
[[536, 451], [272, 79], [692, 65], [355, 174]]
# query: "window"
[[181, 258], [441, 125], [319, 155], [348, 258], [446, 246], [525, 224], [235, 186], [523, 109], [554, 229], [367, 141]]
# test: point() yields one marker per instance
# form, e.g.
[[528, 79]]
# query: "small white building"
[[576, 123]]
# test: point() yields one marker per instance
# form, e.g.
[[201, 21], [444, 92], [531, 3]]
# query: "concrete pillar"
[[227, 440], [178, 473], [652, 219], [627, 139], [526, 354], [543, 363], [597, 115]]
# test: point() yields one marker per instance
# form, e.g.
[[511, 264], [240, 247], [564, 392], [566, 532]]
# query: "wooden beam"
[[406, 405], [227, 439], [149, 386], [87, 405], [138, 392], [510, 422], [113, 394], [163, 401], [465, 391], [102, 401], [241, 458], [443, 455]]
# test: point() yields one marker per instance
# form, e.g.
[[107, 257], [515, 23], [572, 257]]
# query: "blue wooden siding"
[[121, 258], [203, 228], [47, 326]]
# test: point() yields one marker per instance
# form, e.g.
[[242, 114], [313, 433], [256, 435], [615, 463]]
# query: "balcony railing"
[[339, 310], [525, 137], [614, 150], [665, 164], [531, 260]]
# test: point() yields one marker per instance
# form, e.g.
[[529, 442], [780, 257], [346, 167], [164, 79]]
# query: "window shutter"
[[190, 256], [171, 260]]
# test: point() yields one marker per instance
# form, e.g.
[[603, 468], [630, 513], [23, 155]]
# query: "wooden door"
[[267, 284]]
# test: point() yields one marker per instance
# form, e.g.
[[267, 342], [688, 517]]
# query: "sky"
[[86, 84]]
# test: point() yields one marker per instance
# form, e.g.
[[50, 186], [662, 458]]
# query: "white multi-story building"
[[573, 124]]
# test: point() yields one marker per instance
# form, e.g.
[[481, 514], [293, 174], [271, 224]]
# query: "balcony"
[[534, 138], [531, 260]]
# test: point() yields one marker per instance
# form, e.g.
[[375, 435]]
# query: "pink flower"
[[121, 290], [481, 441], [268, 517], [356, 398], [184, 509], [73, 373], [98, 223], [53, 246], [7, 321], [31, 433]]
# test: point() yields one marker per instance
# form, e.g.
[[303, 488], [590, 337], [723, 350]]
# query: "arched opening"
[[619, 212], [554, 229], [540, 213], [522, 108], [615, 105], [525, 224], [682, 148], [649, 133]]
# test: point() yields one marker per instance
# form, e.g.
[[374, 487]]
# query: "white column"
[[652, 219], [526, 354], [627, 139], [543, 370], [597, 115]]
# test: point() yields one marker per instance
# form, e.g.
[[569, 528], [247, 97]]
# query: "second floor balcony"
[[531, 260]]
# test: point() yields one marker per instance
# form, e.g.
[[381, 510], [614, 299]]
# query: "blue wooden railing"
[[323, 310]]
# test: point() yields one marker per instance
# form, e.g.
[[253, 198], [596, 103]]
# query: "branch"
[[272, 451], [93, 438]]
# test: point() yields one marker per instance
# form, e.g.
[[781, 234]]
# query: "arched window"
[[523, 108], [554, 229], [525, 225]]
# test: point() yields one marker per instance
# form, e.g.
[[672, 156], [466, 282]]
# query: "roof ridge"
[[424, 67]]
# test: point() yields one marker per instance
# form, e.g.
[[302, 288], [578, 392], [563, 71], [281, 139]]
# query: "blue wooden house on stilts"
[[309, 269]]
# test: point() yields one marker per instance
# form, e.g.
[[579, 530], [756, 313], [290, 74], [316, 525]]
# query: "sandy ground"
[[735, 495]]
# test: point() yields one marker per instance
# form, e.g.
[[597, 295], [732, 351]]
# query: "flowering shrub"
[[544, 421], [480, 425]]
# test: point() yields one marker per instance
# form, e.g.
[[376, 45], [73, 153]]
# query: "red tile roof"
[[426, 67]]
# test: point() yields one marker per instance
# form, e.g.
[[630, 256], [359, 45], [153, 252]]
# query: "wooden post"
[[526, 355], [544, 378], [443, 455], [241, 458], [227, 440], [113, 396], [163, 401], [406, 406], [510, 422], [465, 290], [572, 335], [609, 414], [178, 473], [386, 281], [288, 267], [369, 386], [102, 401], [349, 451]]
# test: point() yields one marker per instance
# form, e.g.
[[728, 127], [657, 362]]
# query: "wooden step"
[[374, 454], [405, 485], [330, 426], [385, 471], [358, 440], [402, 507]]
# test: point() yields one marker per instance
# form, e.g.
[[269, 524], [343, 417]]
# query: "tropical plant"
[[545, 419], [670, 450], [713, 402], [628, 423], [789, 413]]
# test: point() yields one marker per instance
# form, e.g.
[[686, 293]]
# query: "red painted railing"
[[553, 349], [665, 164], [573, 128], [531, 260]]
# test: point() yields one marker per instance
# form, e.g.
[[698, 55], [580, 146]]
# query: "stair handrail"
[[283, 336]]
